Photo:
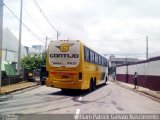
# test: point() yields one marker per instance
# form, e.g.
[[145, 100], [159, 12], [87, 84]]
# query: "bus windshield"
[[64, 53]]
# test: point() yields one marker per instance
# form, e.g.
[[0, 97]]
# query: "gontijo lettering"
[[64, 55]]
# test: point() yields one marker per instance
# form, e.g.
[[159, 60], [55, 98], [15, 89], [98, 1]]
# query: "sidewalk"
[[150, 93], [16, 87]]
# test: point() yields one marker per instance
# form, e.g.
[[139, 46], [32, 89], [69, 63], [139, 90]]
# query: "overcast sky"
[[107, 26]]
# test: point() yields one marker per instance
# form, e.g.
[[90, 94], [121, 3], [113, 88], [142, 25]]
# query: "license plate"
[[65, 76]]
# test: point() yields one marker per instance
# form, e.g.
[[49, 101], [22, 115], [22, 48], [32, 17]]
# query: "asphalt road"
[[109, 98]]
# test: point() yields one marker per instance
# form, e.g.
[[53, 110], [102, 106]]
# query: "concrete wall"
[[148, 73], [10, 47], [11, 80]]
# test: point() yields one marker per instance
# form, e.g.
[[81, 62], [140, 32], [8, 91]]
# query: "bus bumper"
[[66, 85]]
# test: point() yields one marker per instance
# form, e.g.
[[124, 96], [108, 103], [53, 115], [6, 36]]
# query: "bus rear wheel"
[[92, 86]]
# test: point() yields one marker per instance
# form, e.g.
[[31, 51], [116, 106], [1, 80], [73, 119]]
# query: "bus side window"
[[100, 60], [105, 62], [96, 58], [86, 54], [91, 56]]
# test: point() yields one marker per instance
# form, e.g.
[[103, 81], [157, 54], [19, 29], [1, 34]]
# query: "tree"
[[43, 58], [30, 63]]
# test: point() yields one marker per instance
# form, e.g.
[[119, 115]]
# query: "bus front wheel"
[[106, 79]]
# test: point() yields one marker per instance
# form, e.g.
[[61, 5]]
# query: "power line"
[[34, 21], [10, 24], [44, 15], [27, 28]]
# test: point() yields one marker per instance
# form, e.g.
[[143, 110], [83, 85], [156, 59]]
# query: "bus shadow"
[[70, 93], [76, 93]]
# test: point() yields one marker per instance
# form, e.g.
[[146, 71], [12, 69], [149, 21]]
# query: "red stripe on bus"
[[53, 72], [66, 73]]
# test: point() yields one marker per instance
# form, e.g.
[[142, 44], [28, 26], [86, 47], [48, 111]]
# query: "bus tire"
[[94, 84], [106, 79], [91, 86]]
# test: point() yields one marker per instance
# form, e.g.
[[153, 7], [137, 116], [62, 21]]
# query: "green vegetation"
[[30, 63], [7, 69]]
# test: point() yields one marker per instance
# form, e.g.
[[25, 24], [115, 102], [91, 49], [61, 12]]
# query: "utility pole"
[[46, 44], [20, 36], [147, 47], [58, 34], [1, 38]]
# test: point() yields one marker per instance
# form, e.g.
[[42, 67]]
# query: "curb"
[[157, 98], [140, 92], [6, 93]]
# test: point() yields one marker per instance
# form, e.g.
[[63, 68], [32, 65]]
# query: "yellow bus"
[[72, 65]]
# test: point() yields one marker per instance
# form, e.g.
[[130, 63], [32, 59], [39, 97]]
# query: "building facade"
[[10, 47], [113, 61]]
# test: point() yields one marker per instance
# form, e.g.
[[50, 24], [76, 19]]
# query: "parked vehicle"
[[29, 75], [43, 74]]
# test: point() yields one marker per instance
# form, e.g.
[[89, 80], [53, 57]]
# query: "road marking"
[[80, 98], [76, 116], [77, 111]]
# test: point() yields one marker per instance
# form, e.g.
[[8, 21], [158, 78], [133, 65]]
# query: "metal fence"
[[11, 80]]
